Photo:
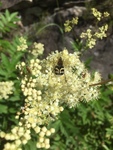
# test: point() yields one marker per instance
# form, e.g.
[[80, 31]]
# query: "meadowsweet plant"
[[90, 36], [37, 49], [98, 14], [70, 23], [22, 44], [6, 88], [8, 21], [44, 88], [46, 93]]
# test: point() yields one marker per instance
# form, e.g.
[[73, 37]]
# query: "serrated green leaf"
[[31, 145], [3, 108], [1, 25], [63, 130], [11, 75], [56, 125], [11, 49], [11, 25], [7, 15], [14, 98], [14, 16], [3, 19], [11, 110], [8, 21], [7, 74], [5, 60], [1, 29], [4, 43], [12, 117], [7, 29], [3, 72], [15, 61]]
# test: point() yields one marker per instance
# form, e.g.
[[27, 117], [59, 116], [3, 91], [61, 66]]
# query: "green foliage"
[[9, 57], [77, 45], [87, 127], [31, 145], [8, 21]]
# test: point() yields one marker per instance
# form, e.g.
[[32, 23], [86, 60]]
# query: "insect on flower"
[[59, 68]]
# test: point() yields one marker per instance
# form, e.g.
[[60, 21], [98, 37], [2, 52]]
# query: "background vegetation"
[[87, 127]]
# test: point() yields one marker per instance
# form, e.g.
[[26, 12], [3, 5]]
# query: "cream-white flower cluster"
[[46, 93], [38, 49], [71, 87], [102, 32], [70, 23], [21, 134], [6, 88], [23, 44], [90, 40], [44, 141], [34, 66], [90, 36], [98, 14]]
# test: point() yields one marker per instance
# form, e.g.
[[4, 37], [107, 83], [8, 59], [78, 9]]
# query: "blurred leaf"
[[63, 130], [5, 60], [3, 19], [3, 72], [77, 45], [15, 60], [14, 98], [3, 108], [88, 62], [1, 25], [7, 21], [56, 125], [105, 147], [31, 145]]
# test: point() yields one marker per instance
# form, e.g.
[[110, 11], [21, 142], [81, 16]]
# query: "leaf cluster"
[[8, 21], [8, 61]]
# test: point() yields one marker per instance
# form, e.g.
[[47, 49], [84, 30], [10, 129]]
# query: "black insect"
[[59, 68]]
